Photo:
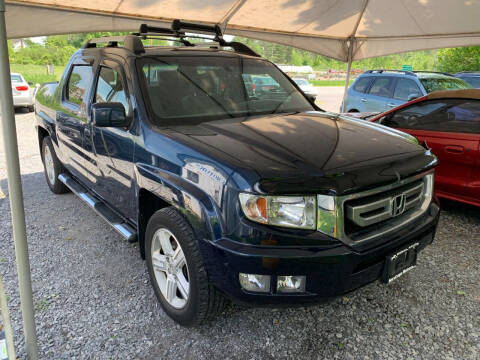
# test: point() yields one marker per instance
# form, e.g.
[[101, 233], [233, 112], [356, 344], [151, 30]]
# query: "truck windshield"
[[435, 84], [203, 88]]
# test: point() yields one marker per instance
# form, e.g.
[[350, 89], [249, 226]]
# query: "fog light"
[[291, 284], [256, 283]]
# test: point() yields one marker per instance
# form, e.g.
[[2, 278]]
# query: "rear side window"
[[361, 84], [382, 86], [405, 89], [444, 83], [78, 83], [445, 115]]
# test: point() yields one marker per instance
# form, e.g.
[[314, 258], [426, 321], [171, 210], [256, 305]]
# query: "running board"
[[115, 220]]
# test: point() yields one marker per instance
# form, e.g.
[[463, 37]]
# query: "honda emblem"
[[398, 204]]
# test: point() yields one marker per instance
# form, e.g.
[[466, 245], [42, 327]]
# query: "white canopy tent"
[[345, 30], [377, 27]]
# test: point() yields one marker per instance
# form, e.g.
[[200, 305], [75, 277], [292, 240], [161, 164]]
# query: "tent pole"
[[349, 67], [15, 193]]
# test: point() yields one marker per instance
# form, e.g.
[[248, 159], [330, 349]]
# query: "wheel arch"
[[42, 134], [157, 189]]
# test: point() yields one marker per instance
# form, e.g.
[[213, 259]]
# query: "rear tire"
[[52, 167], [193, 299]]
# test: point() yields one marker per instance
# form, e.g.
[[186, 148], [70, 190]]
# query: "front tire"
[[177, 272], [52, 167]]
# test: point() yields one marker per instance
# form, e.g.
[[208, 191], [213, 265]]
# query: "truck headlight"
[[287, 211]]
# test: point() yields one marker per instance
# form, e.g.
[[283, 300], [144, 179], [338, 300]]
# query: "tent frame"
[[15, 194]]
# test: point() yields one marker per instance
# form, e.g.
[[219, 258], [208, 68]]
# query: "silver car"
[[306, 87], [23, 94]]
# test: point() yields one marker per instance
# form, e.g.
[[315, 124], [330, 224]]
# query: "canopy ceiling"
[[377, 27]]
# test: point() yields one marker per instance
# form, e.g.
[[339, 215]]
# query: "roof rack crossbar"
[[144, 29], [130, 42], [178, 25], [167, 37]]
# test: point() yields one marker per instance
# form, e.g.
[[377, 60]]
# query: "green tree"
[[459, 59], [297, 58]]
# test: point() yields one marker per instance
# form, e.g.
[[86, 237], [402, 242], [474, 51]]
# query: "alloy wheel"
[[170, 268]]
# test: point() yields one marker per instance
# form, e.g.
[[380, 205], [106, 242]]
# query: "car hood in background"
[[314, 149], [308, 88]]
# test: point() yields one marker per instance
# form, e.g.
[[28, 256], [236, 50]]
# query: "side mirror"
[[30, 83], [109, 115], [412, 96], [312, 98]]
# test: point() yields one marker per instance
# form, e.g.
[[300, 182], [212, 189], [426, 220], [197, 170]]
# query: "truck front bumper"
[[330, 272]]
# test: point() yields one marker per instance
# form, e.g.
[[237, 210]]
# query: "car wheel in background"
[[177, 272], [53, 167]]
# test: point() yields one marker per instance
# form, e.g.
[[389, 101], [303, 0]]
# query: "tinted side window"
[[382, 86], [406, 88], [448, 115], [110, 88], [361, 84], [78, 83]]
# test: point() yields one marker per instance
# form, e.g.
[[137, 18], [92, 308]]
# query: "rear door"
[[357, 98], [379, 94], [451, 128], [72, 117]]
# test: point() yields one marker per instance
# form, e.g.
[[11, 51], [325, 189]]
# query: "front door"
[[111, 149], [405, 90], [72, 117]]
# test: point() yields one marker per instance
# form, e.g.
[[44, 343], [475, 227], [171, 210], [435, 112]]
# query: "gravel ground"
[[93, 299]]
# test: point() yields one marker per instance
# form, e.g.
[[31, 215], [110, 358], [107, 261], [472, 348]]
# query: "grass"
[[329, 82], [37, 73]]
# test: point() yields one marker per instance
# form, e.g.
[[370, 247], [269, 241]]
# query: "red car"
[[448, 122]]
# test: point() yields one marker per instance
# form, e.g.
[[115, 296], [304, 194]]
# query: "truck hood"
[[316, 150]]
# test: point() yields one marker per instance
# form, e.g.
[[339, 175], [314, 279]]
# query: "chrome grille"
[[367, 215], [371, 210]]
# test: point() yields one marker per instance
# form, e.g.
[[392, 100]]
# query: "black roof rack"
[[380, 71], [177, 33]]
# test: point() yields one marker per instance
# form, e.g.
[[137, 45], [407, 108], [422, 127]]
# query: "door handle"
[[391, 105], [362, 99], [454, 149]]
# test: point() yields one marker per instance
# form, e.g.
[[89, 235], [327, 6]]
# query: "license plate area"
[[400, 263]]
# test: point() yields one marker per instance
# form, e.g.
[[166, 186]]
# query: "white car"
[[306, 87], [23, 95]]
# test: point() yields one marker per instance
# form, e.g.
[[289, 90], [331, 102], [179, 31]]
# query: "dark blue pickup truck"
[[232, 192]]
